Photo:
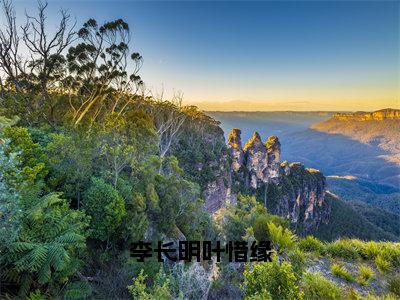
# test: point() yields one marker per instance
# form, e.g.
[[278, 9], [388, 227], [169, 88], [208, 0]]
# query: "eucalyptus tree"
[[45, 49], [105, 69], [11, 62]]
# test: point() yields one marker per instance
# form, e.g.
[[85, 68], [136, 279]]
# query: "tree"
[[46, 249], [126, 140], [100, 65], [11, 62], [70, 162], [105, 207], [29, 154], [168, 117], [46, 51], [242, 216], [9, 199]]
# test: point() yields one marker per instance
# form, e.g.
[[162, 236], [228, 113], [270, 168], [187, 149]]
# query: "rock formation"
[[289, 190], [235, 144]]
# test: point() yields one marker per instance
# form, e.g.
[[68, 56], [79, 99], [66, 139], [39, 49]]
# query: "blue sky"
[[269, 55]]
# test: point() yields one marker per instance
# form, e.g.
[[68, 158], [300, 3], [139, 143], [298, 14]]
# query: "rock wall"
[[379, 115], [289, 190]]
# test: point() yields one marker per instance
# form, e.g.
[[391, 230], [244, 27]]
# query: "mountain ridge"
[[379, 129], [379, 115]]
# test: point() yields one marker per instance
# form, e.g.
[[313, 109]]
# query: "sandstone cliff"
[[379, 115], [289, 190], [379, 128]]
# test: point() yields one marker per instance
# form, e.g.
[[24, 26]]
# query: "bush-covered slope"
[[385, 220], [347, 222], [377, 195]]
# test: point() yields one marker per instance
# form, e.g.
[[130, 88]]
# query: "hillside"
[[376, 195], [380, 128], [350, 222]]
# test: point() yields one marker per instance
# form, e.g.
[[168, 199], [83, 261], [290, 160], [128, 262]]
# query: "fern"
[[49, 238], [282, 238]]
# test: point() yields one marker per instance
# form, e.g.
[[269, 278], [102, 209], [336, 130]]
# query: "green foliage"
[[275, 279], [70, 160], [365, 275], [160, 290], [311, 244], [341, 272], [282, 238], [382, 264], [345, 222], [7, 122], [242, 216], [260, 225], [342, 248], [105, 207], [126, 140], [194, 153], [317, 286], [298, 261], [394, 285], [47, 249], [30, 155], [10, 206], [391, 252], [135, 222], [77, 290], [350, 293], [138, 288]]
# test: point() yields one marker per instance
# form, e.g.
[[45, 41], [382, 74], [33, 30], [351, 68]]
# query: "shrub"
[[341, 272], [343, 249], [350, 294], [298, 262], [160, 290], [105, 207], [365, 275], [311, 244], [260, 225], [370, 250], [317, 286], [273, 279], [391, 252], [382, 297], [394, 285], [284, 239], [382, 264]]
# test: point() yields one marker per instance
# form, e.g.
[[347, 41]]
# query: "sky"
[[263, 55]]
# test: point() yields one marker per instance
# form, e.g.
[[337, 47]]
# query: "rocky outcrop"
[[289, 190], [255, 160], [302, 198], [379, 115], [235, 145]]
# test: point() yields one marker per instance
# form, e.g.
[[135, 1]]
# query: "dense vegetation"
[[90, 163], [348, 222]]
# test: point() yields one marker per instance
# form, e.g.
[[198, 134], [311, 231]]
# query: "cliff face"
[[289, 190], [379, 128], [379, 115]]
